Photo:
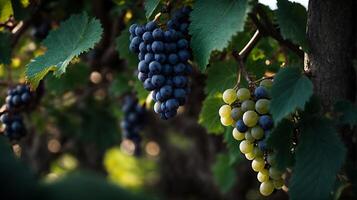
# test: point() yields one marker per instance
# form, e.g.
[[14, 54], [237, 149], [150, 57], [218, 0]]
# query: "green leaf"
[[150, 6], [320, 154], [84, 185], [291, 90], [5, 10], [292, 18], [122, 44], [347, 111], [223, 174], [209, 117], [76, 35], [120, 85], [280, 140], [5, 48], [235, 155], [213, 23], [220, 76]]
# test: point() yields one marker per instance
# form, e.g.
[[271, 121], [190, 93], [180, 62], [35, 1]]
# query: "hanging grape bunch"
[[249, 114], [163, 61], [133, 121]]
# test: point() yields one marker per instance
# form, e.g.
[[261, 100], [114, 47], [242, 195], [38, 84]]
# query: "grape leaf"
[[209, 117], [292, 18], [319, 156], [220, 76], [5, 48], [347, 111], [280, 140], [223, 173], [291, 90], [213, 24], [76, 35], [122, 43], [150, 6], [5, 10], [233, 146]]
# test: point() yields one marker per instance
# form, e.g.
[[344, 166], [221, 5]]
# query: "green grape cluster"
[[249, 114]]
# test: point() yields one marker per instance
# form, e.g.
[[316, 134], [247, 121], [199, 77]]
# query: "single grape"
[[250, 156], [172, 104], [248, 105], [225, 111], [227, 121], [258, 152], [238, 135], [265, 122], [237, 113], [260, 93], [257, 132], [266, 188], [246, 147], [229, 96], [250, 118], [278, 184], [262, 106], [248, 136], [258, 164], [262, 145], [263, 175], [274, 173], [243, 94], [267, 83], [241, 127], [157, 107]]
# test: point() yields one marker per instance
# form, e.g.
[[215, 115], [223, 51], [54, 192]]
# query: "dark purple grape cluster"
[[133, 121], [17, 99], [163, 61]]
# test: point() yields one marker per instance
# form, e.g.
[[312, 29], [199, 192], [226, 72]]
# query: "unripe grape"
[[238, 135], [248, 105], [229, 96], [237, 113], [250, 118], [275, 173], [248, 136], [266, 188], [258, 152], [227, 121], [278, 184], [271, 159], [250, 156], [246, 147], [243, 94], [267, 83], [263, 176], [262, 106], [225, 111], [258, 164], [257, 132]]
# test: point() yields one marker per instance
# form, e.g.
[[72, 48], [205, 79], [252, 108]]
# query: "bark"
[[331, 34]]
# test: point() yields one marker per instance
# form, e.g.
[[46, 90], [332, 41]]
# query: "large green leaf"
[[347, 111], [223, 173], [319, 156], [122, 44], [292, 18], [150, 6], [5, 48], [221, 76], [76, 35], [5, 10], [209, 117], [213, 23], [280, 140], [291, 90]]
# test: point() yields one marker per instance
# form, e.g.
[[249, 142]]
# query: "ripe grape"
[[225, 111], [246, 147], [229, 96], [262, 106], [263, 175], [250, 156], [267, 83], [265, 122], [243, 94], [250, 118], [258, 164], [241, 127], [260, 92], [266, 188], [248, 136], [238, 135]]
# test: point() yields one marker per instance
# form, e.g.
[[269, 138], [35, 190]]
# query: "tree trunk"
[[331, 27]]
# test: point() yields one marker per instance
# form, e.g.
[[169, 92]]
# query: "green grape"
[[266, 188], [257, 132], [227, 121], [248, 136], [258, 152], [229, 96], [267, 83], [225, 111], [250, 156], [271, 159], [250, 118], [238, 135], [243, 94], [263, 175], [258, 164], [262, 106], [248, 105], [237, 113], [246, 147], [278, 184], [275, 173]]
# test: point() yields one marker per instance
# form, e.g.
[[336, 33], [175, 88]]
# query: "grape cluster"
[[17, 99], [163, 61], [249, 114], [133, 121]]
